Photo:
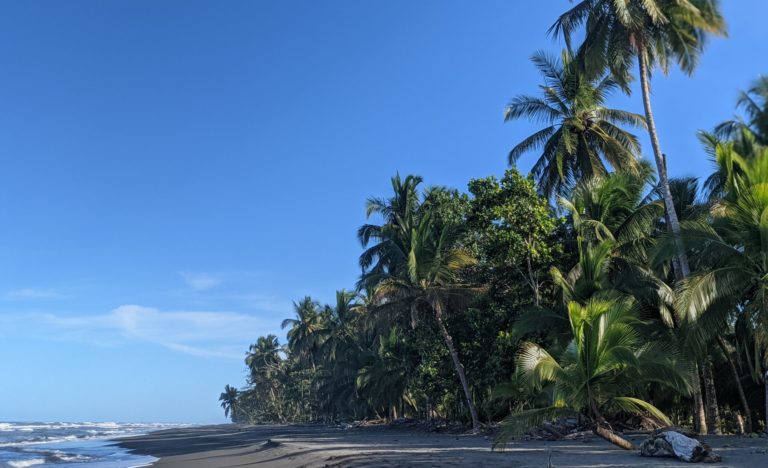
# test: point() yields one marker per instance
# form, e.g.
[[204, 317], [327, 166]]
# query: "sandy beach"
[[229, 446]]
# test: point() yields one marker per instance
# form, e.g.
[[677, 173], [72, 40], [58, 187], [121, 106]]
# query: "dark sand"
[[230, 446]]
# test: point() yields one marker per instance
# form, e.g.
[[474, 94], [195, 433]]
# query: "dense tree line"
[[596, 287]]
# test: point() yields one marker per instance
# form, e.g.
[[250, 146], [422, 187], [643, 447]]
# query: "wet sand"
[[230, 446]]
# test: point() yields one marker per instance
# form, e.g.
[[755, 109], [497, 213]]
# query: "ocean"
[[65, 444]]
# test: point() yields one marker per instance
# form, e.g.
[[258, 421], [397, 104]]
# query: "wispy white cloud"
[[204, 334], [33, 293], [201, 281]]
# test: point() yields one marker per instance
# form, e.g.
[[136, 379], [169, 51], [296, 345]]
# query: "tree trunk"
[[765, 383], [699, 418], [710, 393], [613, 437], [438, 309], [739, 387], [681, 266]]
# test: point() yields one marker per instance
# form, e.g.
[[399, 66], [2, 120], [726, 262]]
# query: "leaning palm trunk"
[[613, 437], [438, 310], [682, 268], [680, 263]]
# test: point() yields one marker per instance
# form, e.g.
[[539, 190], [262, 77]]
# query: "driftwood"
[[676, 444]]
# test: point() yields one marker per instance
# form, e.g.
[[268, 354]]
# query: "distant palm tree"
[[229, 399], [383, 380], [655, 32], [307, 331], [581, 133], [263, 356]]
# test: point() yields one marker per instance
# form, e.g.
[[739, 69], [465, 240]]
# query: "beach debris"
[[676, 444]]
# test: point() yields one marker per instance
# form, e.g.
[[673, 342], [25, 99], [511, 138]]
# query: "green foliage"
[[581, 133]]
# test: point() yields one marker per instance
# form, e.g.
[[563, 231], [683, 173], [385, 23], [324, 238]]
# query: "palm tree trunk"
[[710, 393], [699, 417], [739, 387], [613, 437], [438, 310], [765, 383], [681, 267]]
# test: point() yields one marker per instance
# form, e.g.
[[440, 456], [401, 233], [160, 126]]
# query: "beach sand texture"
[[231, 446]]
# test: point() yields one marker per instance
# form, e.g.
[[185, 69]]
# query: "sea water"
[[65, 444]]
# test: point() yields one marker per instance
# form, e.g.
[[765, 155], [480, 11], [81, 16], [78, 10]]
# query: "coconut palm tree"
[[399, 213], [602, 371], [655, 32], [732, 250], [263, 355], [383, 380], [307, 331], [229, 399], [581, 134], [428, 283]]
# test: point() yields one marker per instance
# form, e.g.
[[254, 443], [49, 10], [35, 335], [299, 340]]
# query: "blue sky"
[[175, 173]]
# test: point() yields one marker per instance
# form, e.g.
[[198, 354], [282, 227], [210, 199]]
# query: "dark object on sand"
[[671, 443]]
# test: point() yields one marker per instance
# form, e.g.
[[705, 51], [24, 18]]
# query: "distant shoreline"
[[318, 446]]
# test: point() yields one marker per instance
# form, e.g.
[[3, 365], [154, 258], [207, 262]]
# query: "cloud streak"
[[204, 334], [201, 281]]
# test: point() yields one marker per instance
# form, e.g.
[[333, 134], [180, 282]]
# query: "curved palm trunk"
[[680, 264], [682, 269], [739, 387], [438, 310]]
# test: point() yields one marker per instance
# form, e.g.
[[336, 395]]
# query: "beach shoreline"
[[290, 446]]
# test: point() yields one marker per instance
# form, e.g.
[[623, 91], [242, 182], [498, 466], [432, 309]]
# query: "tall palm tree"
[[733, 277], [603, 371], [229, 399], [655, 32], [429, 283], [581, 133]]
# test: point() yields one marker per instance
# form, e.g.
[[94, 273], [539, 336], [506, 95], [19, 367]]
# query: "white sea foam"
[[23, 463], [71, 443]]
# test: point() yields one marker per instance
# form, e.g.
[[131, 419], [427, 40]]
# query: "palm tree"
[[600, 373], [732, 250], [656, 32], [581, 133], [229, 399], [383, 380], [754, 103], [263, 361], [263, 355], [307, 331], [428, 282], [399, 213]]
